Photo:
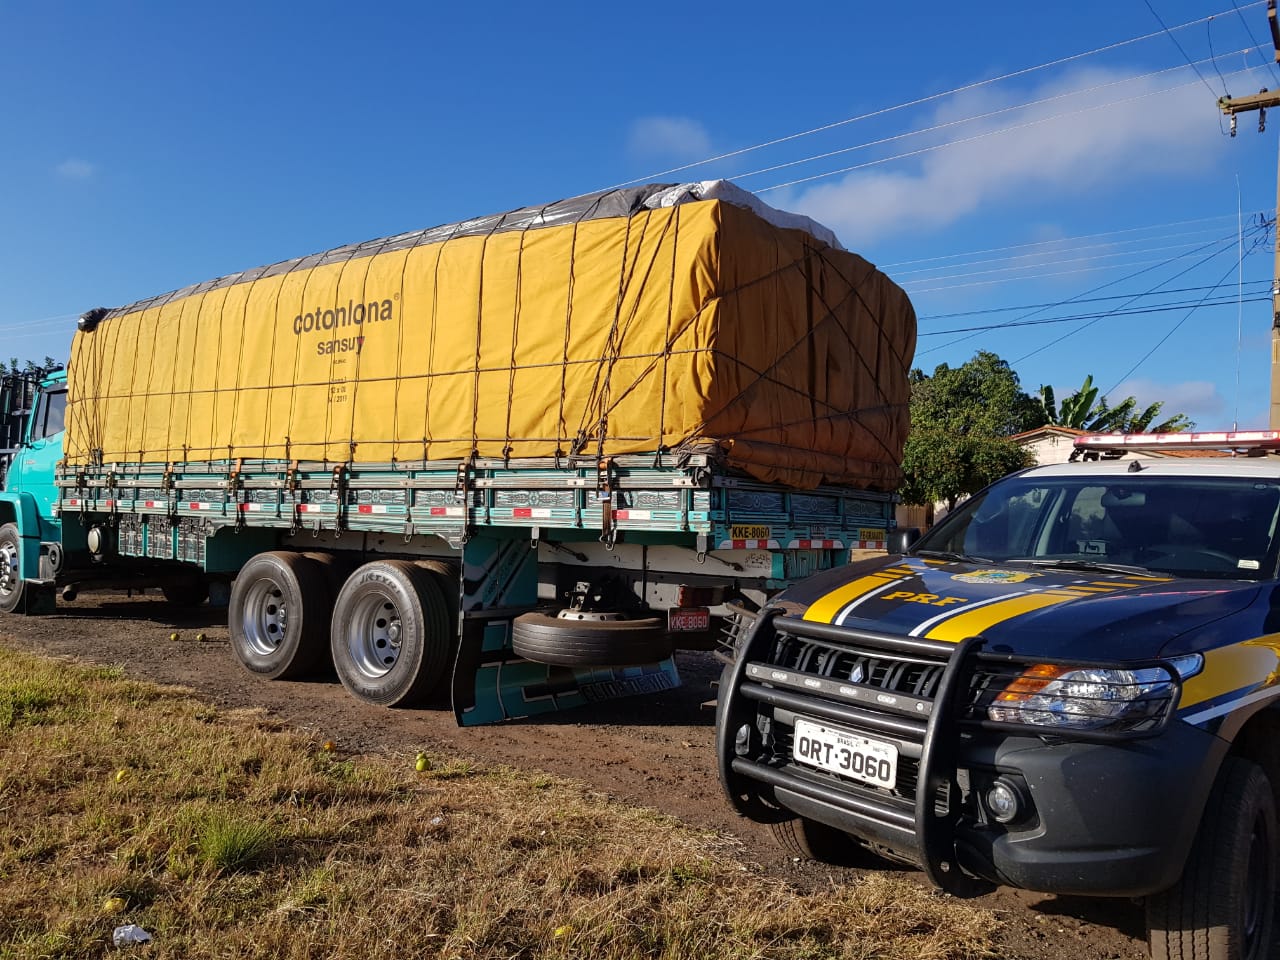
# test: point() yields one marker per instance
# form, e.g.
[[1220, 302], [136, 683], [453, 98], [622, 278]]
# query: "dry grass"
[[225, 835]]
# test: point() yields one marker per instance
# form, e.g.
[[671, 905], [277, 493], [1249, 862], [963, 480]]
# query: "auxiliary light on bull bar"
[[1253, 443]]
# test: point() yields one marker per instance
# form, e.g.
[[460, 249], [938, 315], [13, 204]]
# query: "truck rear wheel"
[[1223, 906], [186, 591], [589, 643], [392, 637], [10, 578], [278, 617]]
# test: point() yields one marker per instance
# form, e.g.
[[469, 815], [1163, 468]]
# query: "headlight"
[[1090, 698]]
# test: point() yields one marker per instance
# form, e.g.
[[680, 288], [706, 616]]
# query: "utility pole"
[[1260, 101]]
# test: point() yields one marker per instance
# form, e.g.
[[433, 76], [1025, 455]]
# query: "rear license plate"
[[688, 619], [848, 754], [749, 531]]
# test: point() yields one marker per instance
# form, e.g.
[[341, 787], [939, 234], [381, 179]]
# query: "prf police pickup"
[[1071, 684]]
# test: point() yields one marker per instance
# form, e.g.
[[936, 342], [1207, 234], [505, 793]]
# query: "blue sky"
[[147, 146]]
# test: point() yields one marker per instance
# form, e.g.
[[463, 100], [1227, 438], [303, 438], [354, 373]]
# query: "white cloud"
[[1198, 399], [673, 138], [73, 169], [1067, 150]]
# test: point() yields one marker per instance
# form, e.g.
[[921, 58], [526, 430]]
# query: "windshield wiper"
[[1082, 565], [950, 555]]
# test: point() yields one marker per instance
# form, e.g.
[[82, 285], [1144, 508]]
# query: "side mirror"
[[900, 540]]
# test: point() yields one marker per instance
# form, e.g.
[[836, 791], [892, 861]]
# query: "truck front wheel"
[[10, 578], [392, 637], [278, 617], [1223, 907]]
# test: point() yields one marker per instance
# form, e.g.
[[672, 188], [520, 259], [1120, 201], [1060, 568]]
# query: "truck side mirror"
[[900, 540]]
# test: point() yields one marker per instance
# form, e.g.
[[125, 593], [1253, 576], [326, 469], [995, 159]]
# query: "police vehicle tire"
[[590, 643], [11, 585], [278, 617], [392, 635], [1223, 906], [811, 840]]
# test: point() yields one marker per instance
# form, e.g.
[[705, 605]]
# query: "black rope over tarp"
[[661, 330]]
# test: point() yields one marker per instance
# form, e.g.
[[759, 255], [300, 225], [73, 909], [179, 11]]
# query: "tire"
[[11, 585], [186, 591], [1223, 906], [279, 616], [393, 633], [811, 840], [589, 643]]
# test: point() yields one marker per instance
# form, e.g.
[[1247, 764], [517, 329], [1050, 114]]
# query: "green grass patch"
[[226, 835]]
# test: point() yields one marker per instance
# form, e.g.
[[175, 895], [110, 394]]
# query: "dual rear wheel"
[[388, 629]]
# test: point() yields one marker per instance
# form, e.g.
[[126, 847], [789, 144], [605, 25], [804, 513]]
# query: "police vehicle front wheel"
[[1223, 906], [811, 840]]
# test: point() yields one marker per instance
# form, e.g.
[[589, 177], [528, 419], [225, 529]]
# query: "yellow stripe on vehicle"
[[825, 609], [1240, 666], [974, 622]]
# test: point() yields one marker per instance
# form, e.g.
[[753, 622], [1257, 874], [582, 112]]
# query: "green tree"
[[961, 422], [1085, 410]]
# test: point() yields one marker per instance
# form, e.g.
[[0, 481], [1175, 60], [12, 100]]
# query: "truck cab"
[[32, 421]]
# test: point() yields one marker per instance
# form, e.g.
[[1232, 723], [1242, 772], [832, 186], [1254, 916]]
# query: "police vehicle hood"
[[1038, 611]]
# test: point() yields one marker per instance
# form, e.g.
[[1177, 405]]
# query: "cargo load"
[[658, 318]]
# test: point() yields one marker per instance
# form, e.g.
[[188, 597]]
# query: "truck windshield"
[[1215, 527]]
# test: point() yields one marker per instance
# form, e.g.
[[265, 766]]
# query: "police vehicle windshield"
[[1215, 527]]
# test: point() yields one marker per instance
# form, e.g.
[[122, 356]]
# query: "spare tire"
[[590, 643]]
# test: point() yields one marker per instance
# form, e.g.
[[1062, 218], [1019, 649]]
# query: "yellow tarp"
[[670, 328]]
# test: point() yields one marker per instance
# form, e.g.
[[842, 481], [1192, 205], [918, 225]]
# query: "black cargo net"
[[210, 350]]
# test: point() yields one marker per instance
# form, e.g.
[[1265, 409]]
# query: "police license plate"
[[848, 754]]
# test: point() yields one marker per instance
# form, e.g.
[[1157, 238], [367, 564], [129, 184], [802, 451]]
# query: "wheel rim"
[[1257, 893], [374, 634], [265, 618], [8, 568]]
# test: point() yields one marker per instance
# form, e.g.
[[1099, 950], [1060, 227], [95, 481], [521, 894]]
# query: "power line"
[[1089, 323], [962, 120], [976, 137], [1146, 356], [1257, 45], [1030, 306], [1058, 260], [1086, 236], [1093, 290], [1140, 311], [915, 103], [1160, 21]]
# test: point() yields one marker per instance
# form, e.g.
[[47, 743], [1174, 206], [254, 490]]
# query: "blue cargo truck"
[[517, 460]]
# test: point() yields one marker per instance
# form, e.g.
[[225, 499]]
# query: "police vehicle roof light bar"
[[1249, 441]]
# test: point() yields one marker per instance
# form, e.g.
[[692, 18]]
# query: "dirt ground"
[[652, 751]]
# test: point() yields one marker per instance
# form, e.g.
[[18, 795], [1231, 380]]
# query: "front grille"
[[899, 673]]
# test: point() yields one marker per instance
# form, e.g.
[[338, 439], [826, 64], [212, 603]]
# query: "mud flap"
[[492, 684]]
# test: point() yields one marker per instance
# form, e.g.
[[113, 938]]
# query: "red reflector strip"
[[815, 545], [73, 503], [748, 545], [633, 514], [447, 511], [527, 513], [372, 508]]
